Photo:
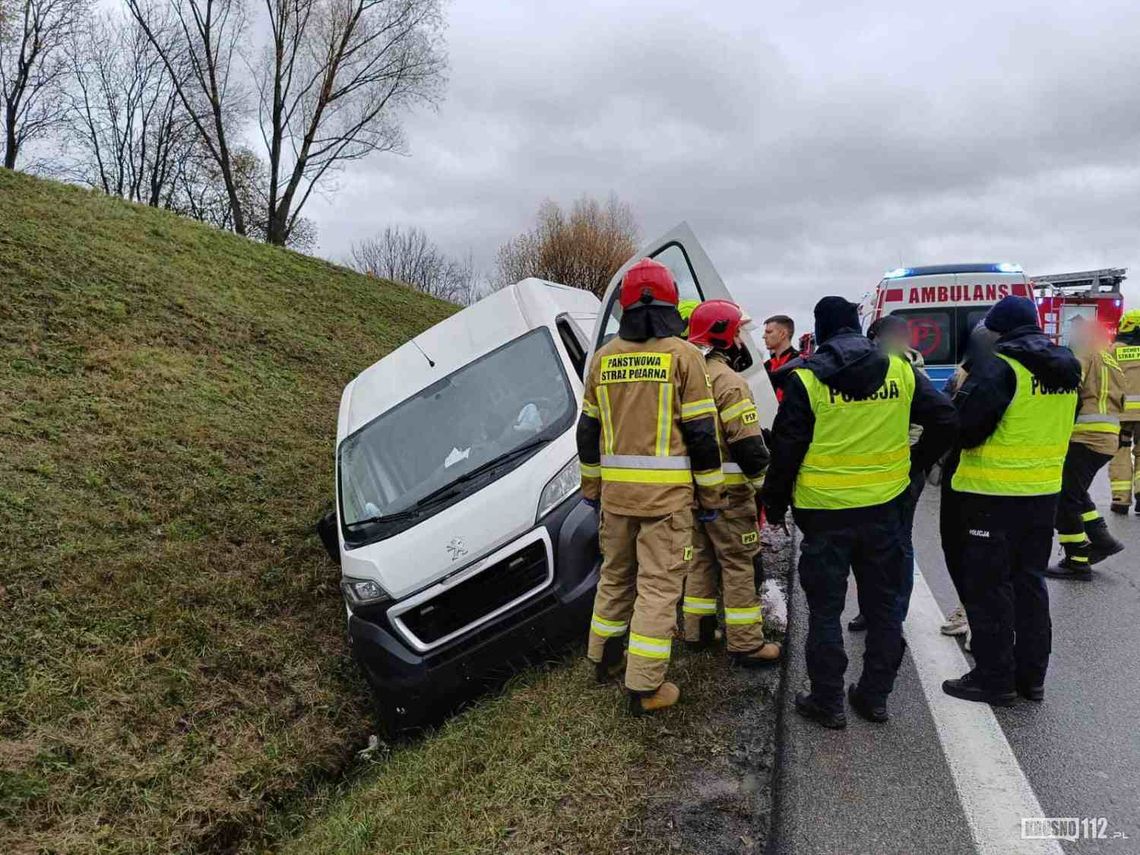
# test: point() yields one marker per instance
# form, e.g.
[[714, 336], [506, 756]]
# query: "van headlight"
[[362, 592], [559, 488]]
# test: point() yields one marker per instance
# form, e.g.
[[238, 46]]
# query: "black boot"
[[1122, 508], [610, 667], [708, 635], [968, 688], [857, 623], [809, 708], [1075, 564], [870, 711], [1103, 543], [1032, 692]]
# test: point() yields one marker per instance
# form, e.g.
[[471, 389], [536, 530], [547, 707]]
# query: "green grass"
[[171, 652]]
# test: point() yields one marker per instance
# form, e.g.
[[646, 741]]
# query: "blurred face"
[[776, 337], [896, 341]]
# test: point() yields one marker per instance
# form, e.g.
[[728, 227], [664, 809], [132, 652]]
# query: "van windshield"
[[401, 466]]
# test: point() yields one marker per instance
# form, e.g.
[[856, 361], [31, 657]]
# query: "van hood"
[[462, 534]]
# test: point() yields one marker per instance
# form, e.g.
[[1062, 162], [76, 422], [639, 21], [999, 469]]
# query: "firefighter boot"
[[1103, 543], [644, 703], [1075, 564], [766, 654], [612, 664], [1121, 509]]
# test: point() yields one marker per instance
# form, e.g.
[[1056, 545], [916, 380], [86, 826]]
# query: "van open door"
[[697, 279]]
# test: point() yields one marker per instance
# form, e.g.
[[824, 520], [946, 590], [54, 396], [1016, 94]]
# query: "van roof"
[[942, 269], [455, 342]]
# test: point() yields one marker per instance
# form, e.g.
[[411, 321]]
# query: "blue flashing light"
[[897, 273], [1006, 267], [946, 269]]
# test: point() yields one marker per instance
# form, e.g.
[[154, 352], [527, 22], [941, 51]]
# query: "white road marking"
[[993, 789]]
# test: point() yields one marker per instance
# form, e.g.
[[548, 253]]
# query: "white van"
[[463, 541], [943, 303]]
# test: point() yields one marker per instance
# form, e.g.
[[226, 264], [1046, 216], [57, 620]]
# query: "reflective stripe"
[[734, 468], [736, 410], [589, 409], [711, 478], [1029, 452], [607, 628], [698, 606], [861, 479], [646, 476], [742, 617], [649, 647], [645, 461], [1098, 427], [1132, 399], [1089, 516], [695, 409], [1120, 485], [606, 419], [590, 470], [1096, 418], [1132, 406], [757, 483], [1079, 559], [1071, 538], [664, 418], [879, 459]]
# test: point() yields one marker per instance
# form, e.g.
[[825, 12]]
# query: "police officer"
[[646, 444], [1081, 529], [1015, 414], [1123, 474], [841, 456], [732, 540]]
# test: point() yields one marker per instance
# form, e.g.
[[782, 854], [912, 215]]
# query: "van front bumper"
[[412, 686]]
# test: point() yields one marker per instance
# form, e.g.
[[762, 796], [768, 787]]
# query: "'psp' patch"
[[749, 537], [750, 417], [688, 553]]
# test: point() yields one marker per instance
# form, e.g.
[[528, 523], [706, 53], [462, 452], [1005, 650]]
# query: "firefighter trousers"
[[1076, 511], [1123, 474], [728, 544], [644, 560]]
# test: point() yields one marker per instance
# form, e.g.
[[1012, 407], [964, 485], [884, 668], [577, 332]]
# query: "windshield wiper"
[[448, 490]]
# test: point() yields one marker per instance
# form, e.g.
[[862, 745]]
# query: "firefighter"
[[647, 446], [1015, 413], [1081, 529], [1123, 473], [732, 540], [841, 456]]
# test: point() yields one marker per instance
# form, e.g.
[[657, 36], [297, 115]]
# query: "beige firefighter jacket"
[[741, 441], [1128, 358], [1100, 402]]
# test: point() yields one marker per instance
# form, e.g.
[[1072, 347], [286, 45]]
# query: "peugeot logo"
[[456, 548]]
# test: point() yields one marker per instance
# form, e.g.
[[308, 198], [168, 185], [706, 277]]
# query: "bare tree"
[[412, 258], [582, 248], [125, 120], [332, 84], [198, 43], [34, 35]]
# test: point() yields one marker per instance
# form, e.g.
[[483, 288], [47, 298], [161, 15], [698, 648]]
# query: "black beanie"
[[1011, 312], [833, 314]]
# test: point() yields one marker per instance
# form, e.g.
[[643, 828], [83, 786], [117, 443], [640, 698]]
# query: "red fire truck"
[[1092, 294]]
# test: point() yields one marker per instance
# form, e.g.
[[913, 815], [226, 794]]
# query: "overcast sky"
[[811, 146]]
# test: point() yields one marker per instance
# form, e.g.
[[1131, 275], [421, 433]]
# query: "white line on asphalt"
[[994, 792]]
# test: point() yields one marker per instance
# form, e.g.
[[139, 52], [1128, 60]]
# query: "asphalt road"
[[946, 776]]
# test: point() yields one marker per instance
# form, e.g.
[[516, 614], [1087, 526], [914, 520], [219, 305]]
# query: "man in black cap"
[[841, 457], [1016, 413]]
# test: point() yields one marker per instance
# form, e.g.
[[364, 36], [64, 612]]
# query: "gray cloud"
[[810, 149]]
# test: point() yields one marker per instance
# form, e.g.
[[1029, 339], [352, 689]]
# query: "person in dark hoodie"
[[1015, 413], [841, 457]]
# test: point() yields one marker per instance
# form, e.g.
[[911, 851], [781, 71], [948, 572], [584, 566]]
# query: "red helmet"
[[648, 283], [715, 323]]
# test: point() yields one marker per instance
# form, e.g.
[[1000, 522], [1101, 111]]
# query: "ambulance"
[[943, 303]]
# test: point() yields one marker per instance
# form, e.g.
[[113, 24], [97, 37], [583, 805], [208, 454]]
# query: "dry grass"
[[171, 658]]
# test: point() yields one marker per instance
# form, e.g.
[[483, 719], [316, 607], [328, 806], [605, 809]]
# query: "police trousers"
[[1006, 543], [644, 561], [728, 544], [874, 551], [1123, 474]]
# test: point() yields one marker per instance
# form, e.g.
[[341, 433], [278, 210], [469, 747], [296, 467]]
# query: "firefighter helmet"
[[1129, 321], [648, 283], [716, 323]]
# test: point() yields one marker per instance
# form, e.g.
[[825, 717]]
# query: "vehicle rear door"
[[697, 279]]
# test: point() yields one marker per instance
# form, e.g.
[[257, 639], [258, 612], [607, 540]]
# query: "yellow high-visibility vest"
[[1025, 455], [860, 451]]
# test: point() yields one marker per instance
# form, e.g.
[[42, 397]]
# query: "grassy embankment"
[[172, 671]]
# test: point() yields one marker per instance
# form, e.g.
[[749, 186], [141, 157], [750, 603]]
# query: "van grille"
[[483, 593]]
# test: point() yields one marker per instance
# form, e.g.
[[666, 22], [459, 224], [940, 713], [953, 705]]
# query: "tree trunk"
[[11, 146]]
